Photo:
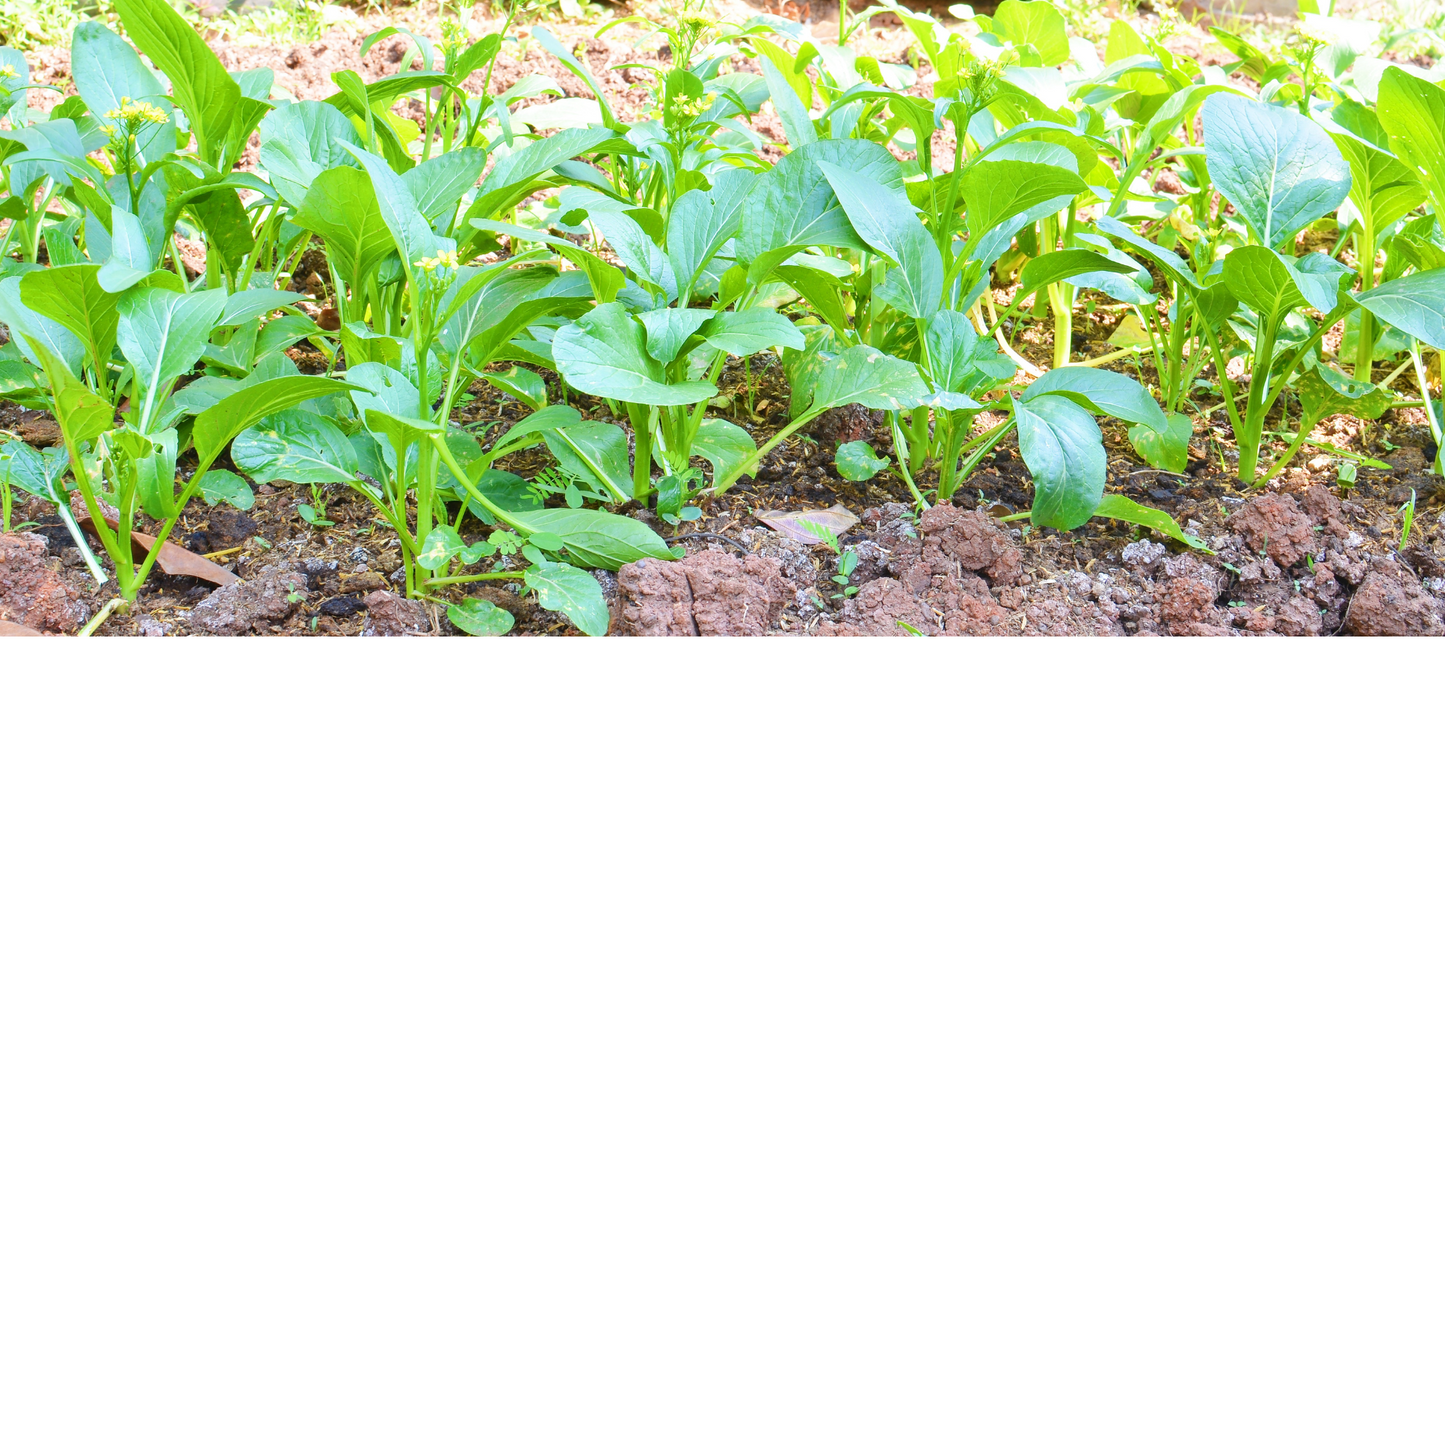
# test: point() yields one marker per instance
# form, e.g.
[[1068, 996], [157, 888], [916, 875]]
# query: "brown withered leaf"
[[173, 561], [14, 629], [837, 519]]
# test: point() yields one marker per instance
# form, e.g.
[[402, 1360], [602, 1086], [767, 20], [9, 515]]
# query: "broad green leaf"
[[1323, 392], [518, 169], [745, 333], [1064, 453], [1002, 197], [215, 426], [1109, 392], [1034, 23], [299, 142], [593, 450], [1381, 188], [1121, 509], [858, 462], [480, 618], [1278, 169], [73, 296], [797, 125], [887, 224], [1412, 112], [131, 259], [212, 101], [595, 539], [107, 71], [1056, 266], [437, 185], [223, 486], [162, 335], [1414, 304], [724, 446], [669, 328], [28, 327], [605, 354], [1130, 240], [637, 251], [409, 229], [577, 595], [296, 446], [867, 377], [1274, 284], [83, 416], [701, 222], [960, 361], [1166, 448], [794, 207], [549, 418], [384, 388], [438, 547], [341, 207]]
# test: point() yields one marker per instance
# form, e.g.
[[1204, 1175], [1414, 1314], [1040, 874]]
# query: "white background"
[[725, 1043]]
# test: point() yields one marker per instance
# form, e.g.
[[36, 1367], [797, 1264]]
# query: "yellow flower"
[[443, 260], [7, 72], [133, 114]]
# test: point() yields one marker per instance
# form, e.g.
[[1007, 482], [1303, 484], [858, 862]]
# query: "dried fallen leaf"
[[14, 629], [173, 561], [836, 519]]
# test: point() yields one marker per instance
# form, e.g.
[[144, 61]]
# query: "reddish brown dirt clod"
[[393, 616], [1276, 526], [271, 596], [1391, 603], [33, 593], [973, 540], [709, 594]]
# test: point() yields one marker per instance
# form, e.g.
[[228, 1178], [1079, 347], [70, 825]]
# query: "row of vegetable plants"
[[631, 260]]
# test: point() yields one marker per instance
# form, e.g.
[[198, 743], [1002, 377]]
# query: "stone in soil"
[[710, 594], [393, 616], [270, 596], [1391, 603], [1275, 526], [33, 591]]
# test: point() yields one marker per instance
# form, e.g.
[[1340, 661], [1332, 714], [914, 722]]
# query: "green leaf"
[[1381, 188], [437, 184], [593, 538], [519, 168], [215, 426], [869, 378], [1055, 266], [702, 222], [162, 335], [341, 207], [574, 593], [31, 330], [296, 446], [960, 360], [794, 207], [1323, 391], [1121, 509], [1278, 169], [131, 259], [1064, 453], [724, 446], [858, 462], [72, 295], [1412, 111], [590, 450], [1414, 304], [887, 224], [1035, 23], [1166, 448], [1002, 197], [106, 70], [479, 618], [409, 229], [1109, 392], [301, 141], [792, 112], [222, 486], [669, 328], [1274, 284], [212, 101], [605, 354], [745, 333], [438, 548], [83, 416]]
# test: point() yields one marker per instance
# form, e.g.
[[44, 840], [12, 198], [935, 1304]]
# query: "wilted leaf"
[[837, 520]]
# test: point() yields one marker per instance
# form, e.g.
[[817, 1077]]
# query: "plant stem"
[[116, 604]]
